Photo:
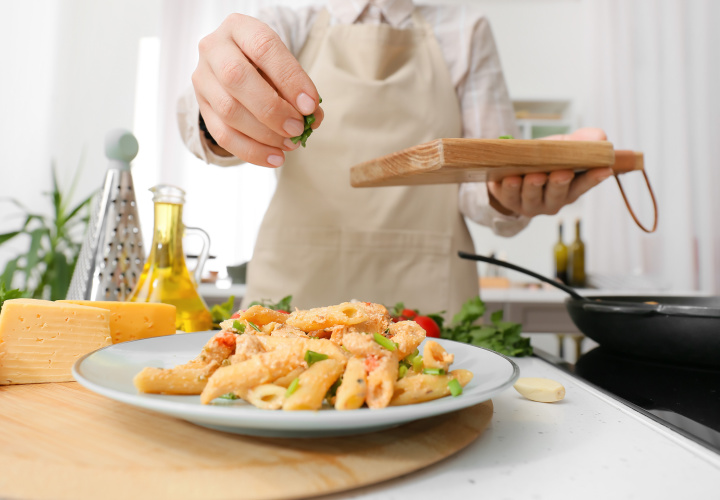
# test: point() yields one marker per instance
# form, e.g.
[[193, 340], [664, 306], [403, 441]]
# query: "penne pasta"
[[435, 356], [382, 374], [421, 388], [317, 345], [178, 380], [321, 318], [408, 335], [275, 360], [260, 369], [266, 396], [353, 389], [313, 384]]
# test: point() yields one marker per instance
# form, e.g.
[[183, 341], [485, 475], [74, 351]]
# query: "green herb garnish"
[[284, 304], [417, 363], [385, 342], [292, 387], [302, 138], [229, 395], [8, 294], [499, 336], [455, 387], [433, 371], [402, 371], [222, 312], [255, 327], [506, 137], [312, 357], [239, 326], [333, 389]]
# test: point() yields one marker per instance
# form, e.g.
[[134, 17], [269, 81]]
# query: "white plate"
[[109, 371]]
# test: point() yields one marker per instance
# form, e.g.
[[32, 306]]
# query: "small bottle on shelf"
[[576, 260], [561, 257]]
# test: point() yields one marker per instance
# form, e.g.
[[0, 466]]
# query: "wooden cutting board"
[[61, 441], [445, 161]]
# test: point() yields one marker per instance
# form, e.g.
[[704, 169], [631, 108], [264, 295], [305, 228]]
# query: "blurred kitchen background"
[[646, 71]]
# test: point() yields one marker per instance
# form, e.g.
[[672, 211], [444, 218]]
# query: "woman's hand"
[[252, 92], [541, 193]]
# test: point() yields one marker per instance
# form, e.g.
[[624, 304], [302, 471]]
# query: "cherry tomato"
[[408, 313], [431, 328], [236, 315]]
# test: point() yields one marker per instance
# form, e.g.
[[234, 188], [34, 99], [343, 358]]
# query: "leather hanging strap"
[[627, 161]]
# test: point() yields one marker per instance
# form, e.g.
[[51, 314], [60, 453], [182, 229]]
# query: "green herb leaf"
[[292, 387], [499, 336], [333, 389], [455, 388], [385, 342], [417, 363], [434, 371], [312, 357], [8, 294], [283, 305], [229, 395], [239, 326], [255, 327], [223, 312], [506, 137]]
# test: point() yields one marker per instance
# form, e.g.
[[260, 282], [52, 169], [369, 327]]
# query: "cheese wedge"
[[135, 320], [40, 340]]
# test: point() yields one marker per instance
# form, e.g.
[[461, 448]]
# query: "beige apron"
[[324, 242]]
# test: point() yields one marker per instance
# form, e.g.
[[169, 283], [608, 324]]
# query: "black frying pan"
[[683, 330]]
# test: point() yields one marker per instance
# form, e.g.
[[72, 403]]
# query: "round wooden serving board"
[[61, 441]]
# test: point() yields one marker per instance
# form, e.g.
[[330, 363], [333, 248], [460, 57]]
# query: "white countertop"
[[588, 446]]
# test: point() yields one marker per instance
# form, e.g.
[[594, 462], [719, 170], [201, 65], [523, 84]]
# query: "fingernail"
[[305, 104], [275, 160], [293, 127], [290, 145]]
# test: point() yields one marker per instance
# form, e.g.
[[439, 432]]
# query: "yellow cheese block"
[[40, 340], [135, 320]]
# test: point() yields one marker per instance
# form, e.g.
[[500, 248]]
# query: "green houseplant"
[[45, 269]]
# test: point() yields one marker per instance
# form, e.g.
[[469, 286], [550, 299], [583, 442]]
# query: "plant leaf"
[[8, 236], [79, 207], [9, 272], [33, 255], [61, 282]]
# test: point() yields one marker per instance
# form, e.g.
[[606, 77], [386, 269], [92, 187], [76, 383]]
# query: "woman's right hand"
[[252, 92]]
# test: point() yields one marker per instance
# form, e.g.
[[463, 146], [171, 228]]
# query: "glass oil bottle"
[[165, 277]]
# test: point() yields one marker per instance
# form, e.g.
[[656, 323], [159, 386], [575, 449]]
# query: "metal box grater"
[[112, 255]]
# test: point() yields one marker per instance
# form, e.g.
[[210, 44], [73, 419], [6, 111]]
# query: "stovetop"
[[685, 399]]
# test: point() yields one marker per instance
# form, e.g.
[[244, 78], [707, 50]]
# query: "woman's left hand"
[[545, 194]]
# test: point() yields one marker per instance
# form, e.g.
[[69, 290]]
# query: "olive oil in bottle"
[[576, 260], [165, 276], [561, 257]]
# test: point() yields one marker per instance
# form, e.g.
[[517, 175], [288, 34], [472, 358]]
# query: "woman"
[[392, 75]]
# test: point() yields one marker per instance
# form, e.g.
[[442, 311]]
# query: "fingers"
[[238, 143], [581, 134], [586, 181], [233, 114], [252, 92], [263, 47], [542, 194]]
